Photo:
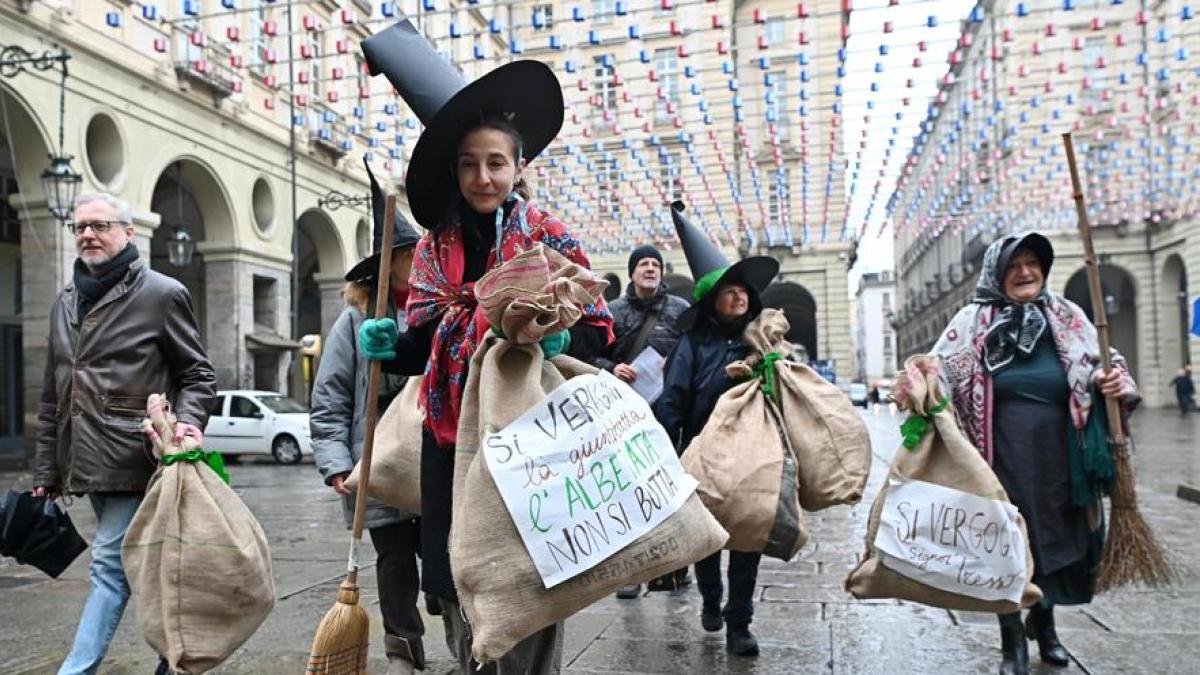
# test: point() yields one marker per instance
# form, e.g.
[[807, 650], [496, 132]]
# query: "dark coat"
[[139, 339], [695, 378], [629, 314]]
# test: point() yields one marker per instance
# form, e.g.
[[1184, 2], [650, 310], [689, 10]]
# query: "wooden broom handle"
[[1099, 315], [383, 289]]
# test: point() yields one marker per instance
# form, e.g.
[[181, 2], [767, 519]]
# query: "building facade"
[[875, 339], [989, 160], [208, 116]]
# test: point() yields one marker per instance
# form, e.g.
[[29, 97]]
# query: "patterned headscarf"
[[1016, 327]]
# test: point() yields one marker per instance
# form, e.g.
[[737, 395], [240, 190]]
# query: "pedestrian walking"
[[338, 421], [643, 318], [465, 187], [118, 333], [1185, 389], [1022, 363], [727, 300]]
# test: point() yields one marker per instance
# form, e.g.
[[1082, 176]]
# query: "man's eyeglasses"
[[98, 226]]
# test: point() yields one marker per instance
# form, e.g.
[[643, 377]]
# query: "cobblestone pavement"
[[805, 621]]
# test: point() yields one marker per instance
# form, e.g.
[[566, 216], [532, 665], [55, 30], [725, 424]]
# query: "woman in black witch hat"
[[727, 299], [464, 186]]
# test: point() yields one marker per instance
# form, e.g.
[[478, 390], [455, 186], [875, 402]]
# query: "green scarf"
[[1090, 458]]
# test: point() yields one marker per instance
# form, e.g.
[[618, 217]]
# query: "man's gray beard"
[[93, 265]]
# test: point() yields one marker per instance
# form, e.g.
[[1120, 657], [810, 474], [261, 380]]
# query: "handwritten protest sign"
[[952, 540], [584, 473]]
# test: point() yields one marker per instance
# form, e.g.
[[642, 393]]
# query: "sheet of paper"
[[649, 368], [585, 473], [952, 540]]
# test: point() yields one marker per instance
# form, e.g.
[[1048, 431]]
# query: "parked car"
[[858, 394], [258, 423]]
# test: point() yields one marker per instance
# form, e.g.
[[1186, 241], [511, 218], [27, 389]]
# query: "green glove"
[[553, 345], [377, 339]]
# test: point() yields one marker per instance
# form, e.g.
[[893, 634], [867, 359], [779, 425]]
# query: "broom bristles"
[[340, 645], [1132, 553]]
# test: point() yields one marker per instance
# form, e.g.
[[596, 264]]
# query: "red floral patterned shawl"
[[439, 294]]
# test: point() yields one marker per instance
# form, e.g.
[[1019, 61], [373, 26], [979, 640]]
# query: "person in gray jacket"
[[118, 333], [338, 421]]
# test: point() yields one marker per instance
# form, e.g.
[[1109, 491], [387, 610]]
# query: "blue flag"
[[1196, 317]]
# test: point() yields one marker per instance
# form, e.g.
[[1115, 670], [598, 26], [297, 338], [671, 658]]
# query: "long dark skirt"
[[1031, 460]]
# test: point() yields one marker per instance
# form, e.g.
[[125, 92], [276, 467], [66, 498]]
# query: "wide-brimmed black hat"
[[710, 268], [525, 94], [404, 235]]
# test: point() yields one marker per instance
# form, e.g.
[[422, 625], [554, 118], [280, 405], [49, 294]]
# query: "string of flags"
[[743, 114]]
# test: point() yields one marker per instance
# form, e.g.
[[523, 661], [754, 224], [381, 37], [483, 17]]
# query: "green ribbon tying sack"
[[916, 425], [212, 459], [765, 371]]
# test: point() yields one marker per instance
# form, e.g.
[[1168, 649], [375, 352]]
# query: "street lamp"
[[60, 183], [180, 246]]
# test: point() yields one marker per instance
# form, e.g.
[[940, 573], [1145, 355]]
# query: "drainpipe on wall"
[[294, 368]]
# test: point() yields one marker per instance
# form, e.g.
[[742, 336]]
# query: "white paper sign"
[[952, 540], [584, 473], [649, 368]]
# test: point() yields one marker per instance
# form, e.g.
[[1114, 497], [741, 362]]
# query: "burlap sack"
[[747, 474], [499, 587], [943, 456], [396, 457], [197, 561], [830, 440]]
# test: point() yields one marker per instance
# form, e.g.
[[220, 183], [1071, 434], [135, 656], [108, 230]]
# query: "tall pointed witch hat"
[[526, 94], [405, 236], [710, 268]]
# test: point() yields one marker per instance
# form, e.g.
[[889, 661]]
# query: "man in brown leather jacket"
[[118, 333]]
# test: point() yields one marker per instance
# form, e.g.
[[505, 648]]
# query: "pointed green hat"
[[710, 268]]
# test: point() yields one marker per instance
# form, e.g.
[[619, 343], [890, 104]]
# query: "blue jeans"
[[110, 590]]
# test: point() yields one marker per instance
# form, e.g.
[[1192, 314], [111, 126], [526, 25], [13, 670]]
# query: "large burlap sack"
[[197, 561], [943, 457], [830, 440], [396, 457], [747, 474], [500, 590]]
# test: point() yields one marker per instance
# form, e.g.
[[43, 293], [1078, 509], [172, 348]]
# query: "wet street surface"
[[804, 620]]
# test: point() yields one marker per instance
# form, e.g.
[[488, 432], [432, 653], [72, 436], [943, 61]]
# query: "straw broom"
[[340, 645], [1132, 554]]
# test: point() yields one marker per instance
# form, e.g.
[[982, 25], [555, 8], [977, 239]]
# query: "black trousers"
[[396, 549], [743, 574]]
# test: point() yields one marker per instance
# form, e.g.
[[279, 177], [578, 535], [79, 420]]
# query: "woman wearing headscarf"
[[464, 186], [1022, 364], [727, 300]]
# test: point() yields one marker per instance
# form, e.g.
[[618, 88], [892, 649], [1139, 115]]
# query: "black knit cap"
[[645, 251]]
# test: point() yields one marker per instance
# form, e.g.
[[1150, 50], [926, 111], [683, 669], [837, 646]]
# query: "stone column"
[[230, 315], [331, 286], [47, 256]]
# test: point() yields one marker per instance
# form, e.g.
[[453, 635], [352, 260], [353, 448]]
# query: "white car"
[[258, 423]]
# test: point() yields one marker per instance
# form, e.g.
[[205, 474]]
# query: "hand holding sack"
[[942, 531], [503, 595], [396, 458], [197, 561]]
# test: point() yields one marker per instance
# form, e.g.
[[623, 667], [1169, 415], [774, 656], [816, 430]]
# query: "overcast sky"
[[909, 27]]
